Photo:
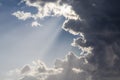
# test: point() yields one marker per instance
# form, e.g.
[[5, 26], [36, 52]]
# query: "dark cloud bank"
[[101, 28], [100, 25]]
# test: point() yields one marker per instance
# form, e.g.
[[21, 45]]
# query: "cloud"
[[22, 15], [35, 24], [97, 25], [25, 69], [46, 8], [100, 27], [71, 67]]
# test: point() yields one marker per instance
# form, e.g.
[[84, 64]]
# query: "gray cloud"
[[25, 69], [29, 78], [97, 23], [101, 30]]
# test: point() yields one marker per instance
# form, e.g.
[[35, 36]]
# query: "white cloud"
[[35, 24], [80, 41], [71, 68], [46, 9], [69, 28], [22, 15]]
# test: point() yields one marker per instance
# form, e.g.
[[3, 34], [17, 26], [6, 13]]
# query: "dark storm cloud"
[[101, 29]]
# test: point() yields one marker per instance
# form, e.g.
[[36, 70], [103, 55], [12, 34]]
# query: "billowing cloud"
[[97, 24], [71, 67], [100, 27]]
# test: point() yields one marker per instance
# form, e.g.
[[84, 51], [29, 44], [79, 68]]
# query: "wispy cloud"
[[46, 8], [22, 15]]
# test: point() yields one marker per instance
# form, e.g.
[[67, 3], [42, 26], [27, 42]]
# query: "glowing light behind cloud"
[[45, 9], [24, 44], [39, 41], [98, 16]]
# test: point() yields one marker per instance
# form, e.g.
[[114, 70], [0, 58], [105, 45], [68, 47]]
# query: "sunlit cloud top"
[[46, 9]]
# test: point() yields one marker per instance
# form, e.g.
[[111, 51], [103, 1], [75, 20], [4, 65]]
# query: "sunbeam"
[[36, 34]]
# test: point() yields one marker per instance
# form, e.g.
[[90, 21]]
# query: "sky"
[[22, 43], [59, 39]]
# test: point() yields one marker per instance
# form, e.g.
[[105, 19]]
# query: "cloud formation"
[[100, 27], [46, 8], [97, 24], [22, 15], [71, 67]]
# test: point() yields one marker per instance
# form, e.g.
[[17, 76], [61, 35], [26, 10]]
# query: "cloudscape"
[[86, 32]]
